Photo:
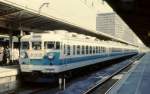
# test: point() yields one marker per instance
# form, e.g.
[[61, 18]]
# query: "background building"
[[113, 25]]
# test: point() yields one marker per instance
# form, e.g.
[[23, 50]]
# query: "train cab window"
[[49, 45], [74, 49], [36, 45], [15, 44], [78, 49], [24, 45], [87, 50], [57, 45]]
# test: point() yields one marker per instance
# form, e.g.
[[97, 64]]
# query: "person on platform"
[[6, 56], [1, 54]]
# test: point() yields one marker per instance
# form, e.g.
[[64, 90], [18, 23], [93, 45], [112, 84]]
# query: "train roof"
[[59, 35], [25, 38]]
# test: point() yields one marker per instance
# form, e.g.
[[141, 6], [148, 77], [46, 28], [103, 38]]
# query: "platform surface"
[[137, 81], [8, 71]]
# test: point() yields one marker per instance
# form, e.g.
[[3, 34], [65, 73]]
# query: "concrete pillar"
[[10, 42]]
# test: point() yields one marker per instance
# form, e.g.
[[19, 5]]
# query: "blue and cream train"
[[59, 51]]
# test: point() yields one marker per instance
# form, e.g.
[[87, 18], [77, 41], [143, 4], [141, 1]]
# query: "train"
[[58, 51]]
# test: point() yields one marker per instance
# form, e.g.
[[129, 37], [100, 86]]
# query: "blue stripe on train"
[[57, 61], [83, 58]]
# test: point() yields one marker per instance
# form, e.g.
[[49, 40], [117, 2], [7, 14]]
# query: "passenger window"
[[64, 49], [104, 49], [96, 49], [68, 49], [78, 49], [93, 50], [57, 45], [83, 50], [87, 50], [99, 49], [90, 49], [74, 49], [49, 45]]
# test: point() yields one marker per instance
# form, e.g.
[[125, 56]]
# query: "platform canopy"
[[14, 18]]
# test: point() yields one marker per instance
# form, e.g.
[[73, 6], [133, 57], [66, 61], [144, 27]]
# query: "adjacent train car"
[[4, 41], [59, 51], [14, 50]]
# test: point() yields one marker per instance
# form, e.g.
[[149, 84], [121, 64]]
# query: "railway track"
[[135, 58], [85, 85]]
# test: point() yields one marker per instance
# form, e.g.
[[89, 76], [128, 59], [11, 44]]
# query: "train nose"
[[36, 54]]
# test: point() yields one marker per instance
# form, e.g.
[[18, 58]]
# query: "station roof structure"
[[136, 14], [14, 18]]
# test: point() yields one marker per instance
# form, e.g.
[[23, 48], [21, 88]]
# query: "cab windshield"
[[51, 45], [36, 45], [15, 44], [24, 45]]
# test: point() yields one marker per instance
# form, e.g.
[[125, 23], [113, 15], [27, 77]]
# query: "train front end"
[[40, 55]]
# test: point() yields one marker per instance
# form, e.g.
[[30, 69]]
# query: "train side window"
[[96, 49], [110, 50], [49, 45], [78, 50], [93, 50], [99, 50], [68, 49], [104, 49], [57, 45], [74, 49], [64, 49], [87, 50], [83, 50], [90, 49]]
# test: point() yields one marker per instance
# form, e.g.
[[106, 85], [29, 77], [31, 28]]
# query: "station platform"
[[8, 77], [136, 81]]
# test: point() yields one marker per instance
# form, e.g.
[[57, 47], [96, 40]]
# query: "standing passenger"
[[1, 55], [6, 56]]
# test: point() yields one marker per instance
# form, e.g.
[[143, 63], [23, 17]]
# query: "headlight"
[[50, 55], [23, 55]]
